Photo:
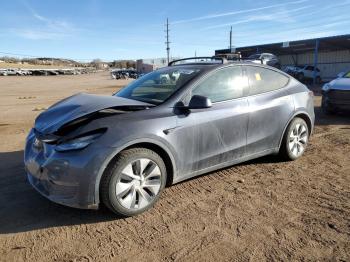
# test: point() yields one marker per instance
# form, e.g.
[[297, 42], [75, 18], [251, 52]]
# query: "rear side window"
[[263, 80], [225, 84]]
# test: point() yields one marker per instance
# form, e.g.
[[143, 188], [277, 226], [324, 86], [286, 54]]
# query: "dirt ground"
[[262, 210]]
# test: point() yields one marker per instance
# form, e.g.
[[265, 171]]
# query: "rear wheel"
[[295, 139], [133, 183]]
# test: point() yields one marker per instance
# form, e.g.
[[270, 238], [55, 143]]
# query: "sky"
[[113, 30]]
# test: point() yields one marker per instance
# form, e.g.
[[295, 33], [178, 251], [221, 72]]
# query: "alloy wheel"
[[138, 184], [298, 139]]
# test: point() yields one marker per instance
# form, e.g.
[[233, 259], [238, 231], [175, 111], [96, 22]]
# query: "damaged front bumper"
[[67, 178]]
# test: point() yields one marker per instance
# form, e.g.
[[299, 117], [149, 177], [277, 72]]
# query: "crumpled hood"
[[77, 106], [340, 84]]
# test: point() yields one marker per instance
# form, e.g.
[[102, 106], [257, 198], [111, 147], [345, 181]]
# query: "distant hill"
[[12, 62]]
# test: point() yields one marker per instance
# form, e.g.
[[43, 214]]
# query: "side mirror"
[[340, 74], [199, 102]]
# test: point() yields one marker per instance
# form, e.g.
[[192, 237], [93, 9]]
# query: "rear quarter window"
[[263, 80]]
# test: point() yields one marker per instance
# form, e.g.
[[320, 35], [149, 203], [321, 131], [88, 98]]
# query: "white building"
[[148, 65]]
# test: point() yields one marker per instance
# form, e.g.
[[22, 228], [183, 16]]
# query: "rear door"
[[270, 107], [212, 136]]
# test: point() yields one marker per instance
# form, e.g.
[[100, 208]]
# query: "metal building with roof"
[[330, 54]]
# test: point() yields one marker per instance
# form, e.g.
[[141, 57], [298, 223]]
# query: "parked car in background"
[[266, 59], [122, 150], [336, 94], [304, 73], [12, 72], [124, 74], [23, 72]]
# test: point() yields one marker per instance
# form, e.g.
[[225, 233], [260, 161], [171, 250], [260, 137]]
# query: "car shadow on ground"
[[23, 209]]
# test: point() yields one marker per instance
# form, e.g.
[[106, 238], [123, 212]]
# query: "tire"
[[295, 139], [127, 193], [327, 108]]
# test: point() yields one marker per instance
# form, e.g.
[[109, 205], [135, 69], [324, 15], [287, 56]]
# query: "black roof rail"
[[222, 59]]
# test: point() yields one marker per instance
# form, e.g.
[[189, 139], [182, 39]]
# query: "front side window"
[[263, 80], [156, 87], [347, 75], [224, 84]]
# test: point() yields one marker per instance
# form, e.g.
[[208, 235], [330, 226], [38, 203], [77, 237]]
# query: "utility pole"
[[167, 40], [231, 40]]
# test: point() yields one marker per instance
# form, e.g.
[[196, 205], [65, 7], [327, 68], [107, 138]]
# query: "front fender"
[[116, 150]]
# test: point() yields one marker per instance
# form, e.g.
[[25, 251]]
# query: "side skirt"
[[225, 164]]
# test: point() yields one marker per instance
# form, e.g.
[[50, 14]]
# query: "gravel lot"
[[262, 210]]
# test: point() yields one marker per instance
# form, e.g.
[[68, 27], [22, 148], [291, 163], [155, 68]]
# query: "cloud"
[[282, 16], [236, 12], [47, 28], [295, 33], [38, 34]]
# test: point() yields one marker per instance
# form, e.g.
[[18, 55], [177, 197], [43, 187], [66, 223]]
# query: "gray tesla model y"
[[189, 118]]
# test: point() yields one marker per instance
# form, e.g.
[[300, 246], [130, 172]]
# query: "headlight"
[[325, 87], [79, 142]]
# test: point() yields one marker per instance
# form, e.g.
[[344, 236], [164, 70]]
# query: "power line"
[[167, 40], [231, 40]]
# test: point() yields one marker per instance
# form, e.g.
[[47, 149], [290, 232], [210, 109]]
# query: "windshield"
[[156, 87], [347, 75], [256, 56]]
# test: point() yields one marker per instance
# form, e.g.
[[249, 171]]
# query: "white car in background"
[[12, 72], [305, 72], [266, 59]]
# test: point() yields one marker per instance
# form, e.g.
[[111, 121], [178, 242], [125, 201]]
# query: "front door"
[[213, 136]]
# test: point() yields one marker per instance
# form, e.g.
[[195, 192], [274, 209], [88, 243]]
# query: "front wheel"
[[133, 182], [295, 139]]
